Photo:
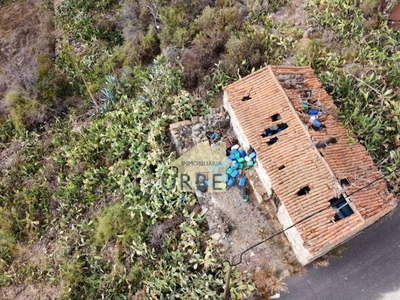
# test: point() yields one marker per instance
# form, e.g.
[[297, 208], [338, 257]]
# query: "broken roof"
[[325, 160]]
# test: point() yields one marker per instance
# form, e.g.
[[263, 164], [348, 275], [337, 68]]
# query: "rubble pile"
[[214, 127]]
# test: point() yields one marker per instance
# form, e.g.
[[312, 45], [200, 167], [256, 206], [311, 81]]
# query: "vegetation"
[[83, 151]]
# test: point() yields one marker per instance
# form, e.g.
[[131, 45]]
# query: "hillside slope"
[[91, 88]]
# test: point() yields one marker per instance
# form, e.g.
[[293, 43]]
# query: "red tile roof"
[[305, 165]]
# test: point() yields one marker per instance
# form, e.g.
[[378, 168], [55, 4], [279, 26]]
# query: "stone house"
[[307, 158]]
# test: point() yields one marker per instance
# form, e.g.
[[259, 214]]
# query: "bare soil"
[[30, 291], [236, 225], [35, 255]]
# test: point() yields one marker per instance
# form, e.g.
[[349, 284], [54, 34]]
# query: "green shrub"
[[46, 79], [25, 112], [368, 7], [243, 52], [275, 5], [7, 239], [7, 132], [141, 52], [216, 19], [176, 28], [116, 222]]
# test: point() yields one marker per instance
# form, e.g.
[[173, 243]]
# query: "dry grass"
[[24, 27], [323, 261]]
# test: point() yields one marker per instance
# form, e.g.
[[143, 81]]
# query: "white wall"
[[302, 254]]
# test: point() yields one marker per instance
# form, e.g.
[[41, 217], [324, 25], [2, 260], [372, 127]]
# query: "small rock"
[[196, 127], [308, 32], [216, 236], [179, 144], [280, 13], [273, 31], [195, 119]]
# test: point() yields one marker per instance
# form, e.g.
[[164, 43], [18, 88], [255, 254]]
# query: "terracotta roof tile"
[[304, 164]]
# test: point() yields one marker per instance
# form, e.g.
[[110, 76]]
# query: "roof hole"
[[344, 182], [276, 117], [305, 93], [274, 129], [303, 191], [317, 125], [344, 209], [245, 98], [281, 167], [272, 141], [329, 140]]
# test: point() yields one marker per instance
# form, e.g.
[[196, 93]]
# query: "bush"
[[116, 222], [7, 239], [144, 51], [369, 7], [201, 57], [215, 26], [243, 52], [25, 112], [216, 19], [175, 29]]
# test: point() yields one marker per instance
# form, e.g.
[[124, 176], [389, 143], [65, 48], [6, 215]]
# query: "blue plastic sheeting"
[[313, 112]]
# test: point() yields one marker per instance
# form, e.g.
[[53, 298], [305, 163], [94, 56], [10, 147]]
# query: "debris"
[[196, 127]]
